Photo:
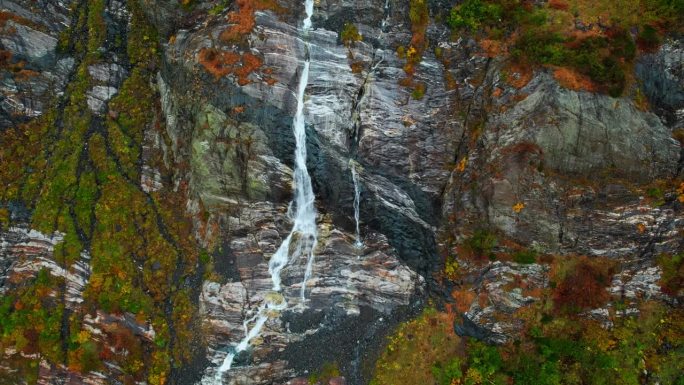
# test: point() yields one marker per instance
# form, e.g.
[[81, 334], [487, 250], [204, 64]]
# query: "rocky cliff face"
[[543, 167]]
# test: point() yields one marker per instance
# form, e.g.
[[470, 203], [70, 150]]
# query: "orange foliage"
[[571, 79], [492, 48], [221, 63], [519, 76], [5, 16], [216, 62], [243, 19], [463, 298]]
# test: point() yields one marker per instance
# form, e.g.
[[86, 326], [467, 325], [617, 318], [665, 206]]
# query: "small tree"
[[350, 35]]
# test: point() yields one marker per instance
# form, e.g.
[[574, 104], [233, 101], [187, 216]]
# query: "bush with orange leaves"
[[243, 19], [222, 63], [218, 63], [571, 79]]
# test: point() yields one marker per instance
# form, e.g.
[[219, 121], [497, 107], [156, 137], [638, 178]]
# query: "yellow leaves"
[[641, 228], [518, 207], [96, 282], [462, 164], [83, 336], [680, 191], [473, 376], [451, 269], [412, 52]]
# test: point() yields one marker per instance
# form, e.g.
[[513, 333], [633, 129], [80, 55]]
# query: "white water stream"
[[357, 202], [303, 237]]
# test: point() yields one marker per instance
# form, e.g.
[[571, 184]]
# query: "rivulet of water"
[[302, 239]]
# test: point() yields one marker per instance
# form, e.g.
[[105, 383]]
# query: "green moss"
[[328, 371], [526, 256], [481, 244], [472, 14], [97, 28]]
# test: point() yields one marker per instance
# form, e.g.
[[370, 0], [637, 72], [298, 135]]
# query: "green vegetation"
[[672, 280], [415, 347], [557, 346], [525, 256], [350, 34], [328, 371], [480, 245], [545, 35], [79, 173], [472, 14]]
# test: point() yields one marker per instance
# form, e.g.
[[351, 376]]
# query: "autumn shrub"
[[672, 280], [648, 38], [481, 244], [582, 284]]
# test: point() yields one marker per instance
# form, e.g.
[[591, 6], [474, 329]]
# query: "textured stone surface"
[[574, 160]]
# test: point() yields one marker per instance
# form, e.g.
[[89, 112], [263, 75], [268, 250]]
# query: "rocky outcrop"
[[662, 74], [31, 71], [500, 291], [563, 172]]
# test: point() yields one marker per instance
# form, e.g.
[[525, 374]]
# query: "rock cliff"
[[471, 147]]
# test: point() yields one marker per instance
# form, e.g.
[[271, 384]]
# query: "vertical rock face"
[[548, 168], [241, 166], [31, 70]]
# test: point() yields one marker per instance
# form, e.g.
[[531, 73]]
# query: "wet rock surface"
[[575, 161]]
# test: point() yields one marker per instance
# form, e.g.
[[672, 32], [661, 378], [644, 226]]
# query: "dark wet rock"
[[662, 74]]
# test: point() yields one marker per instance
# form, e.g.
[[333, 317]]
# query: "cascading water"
[[304, 233], [357, 201]]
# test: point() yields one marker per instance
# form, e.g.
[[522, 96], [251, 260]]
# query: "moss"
[[97, 28], [324, 374], [526, 256]]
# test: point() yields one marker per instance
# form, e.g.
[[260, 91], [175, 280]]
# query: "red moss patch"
[[559, 4], [571, 79], [583, 284]]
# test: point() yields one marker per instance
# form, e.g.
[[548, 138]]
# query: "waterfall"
[[304, 232], [357, 202]]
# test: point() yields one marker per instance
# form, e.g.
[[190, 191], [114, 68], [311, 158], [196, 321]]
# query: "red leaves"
[[584, 285]]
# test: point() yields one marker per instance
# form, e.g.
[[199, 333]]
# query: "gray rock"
[[110, 74], [29, 44], [662, 74], [98, 97], [585, 133]]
